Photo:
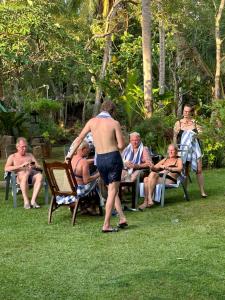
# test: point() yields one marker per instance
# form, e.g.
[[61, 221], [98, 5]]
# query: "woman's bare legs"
[[149, 187], [153, 180], [145, 203]]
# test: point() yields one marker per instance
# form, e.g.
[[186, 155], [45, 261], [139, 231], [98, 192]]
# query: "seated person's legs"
[[22, 180], [149, 187], [37, 181]]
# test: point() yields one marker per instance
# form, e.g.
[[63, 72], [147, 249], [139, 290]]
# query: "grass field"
[[175, 252]]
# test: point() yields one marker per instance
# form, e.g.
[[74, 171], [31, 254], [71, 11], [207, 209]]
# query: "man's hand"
[[129, 164], [150, 164]]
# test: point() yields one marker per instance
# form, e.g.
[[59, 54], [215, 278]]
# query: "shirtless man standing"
[[108, 140], [25, 165]]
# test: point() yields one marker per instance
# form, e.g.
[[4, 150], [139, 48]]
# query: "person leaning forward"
[[28, 171], [109, 141]]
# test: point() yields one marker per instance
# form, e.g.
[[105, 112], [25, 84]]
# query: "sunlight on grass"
[[175, 252]]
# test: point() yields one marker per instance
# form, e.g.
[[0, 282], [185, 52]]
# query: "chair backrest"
[[61, 178]]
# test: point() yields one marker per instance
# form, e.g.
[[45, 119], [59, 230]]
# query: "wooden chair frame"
[[49, 168]]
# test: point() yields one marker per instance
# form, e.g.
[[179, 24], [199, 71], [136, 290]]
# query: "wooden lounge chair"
[[63, 185]]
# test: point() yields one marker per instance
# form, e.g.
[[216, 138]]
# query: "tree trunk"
[[217, 91], [1, 82], [107, 52], [106, 57], [147, 57], [84, 106], [162, 56]]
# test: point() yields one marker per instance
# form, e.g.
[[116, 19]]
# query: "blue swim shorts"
[[110, 166]]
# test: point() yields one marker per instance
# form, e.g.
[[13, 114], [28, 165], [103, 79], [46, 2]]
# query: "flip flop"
[[35, 205], [122, 225], [26, 206], [204, 196], [150, 205], [110, 230]]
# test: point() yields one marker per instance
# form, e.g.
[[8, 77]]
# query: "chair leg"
[[185, 192], [7, 187], [163, 195], [46, 191], [14, 190], [99, 203], [134, 195], [137, 188], [75, 212], [50, 210]]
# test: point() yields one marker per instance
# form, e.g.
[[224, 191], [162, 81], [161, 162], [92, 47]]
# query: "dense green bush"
[[14, 124], [213, 136], [157, 131]]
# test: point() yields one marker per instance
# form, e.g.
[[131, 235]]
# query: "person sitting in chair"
[[80, 165], [135, 157], [28, 172], [172, 165]]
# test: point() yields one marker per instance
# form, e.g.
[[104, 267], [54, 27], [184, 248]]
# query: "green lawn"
[[175, 252]]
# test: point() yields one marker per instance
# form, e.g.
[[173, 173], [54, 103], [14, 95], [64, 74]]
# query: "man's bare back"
[[107, 135], [108, 140]]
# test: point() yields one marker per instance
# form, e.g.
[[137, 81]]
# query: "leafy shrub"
[[42, 105], [213, 135], [157, 131], [14, 124], [52, 132]]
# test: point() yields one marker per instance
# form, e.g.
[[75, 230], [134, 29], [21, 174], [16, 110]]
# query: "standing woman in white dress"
[[185, 132]]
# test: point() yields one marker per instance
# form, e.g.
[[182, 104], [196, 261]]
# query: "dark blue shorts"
[[110, 166]]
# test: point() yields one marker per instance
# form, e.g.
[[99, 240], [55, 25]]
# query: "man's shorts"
[[110, 166]]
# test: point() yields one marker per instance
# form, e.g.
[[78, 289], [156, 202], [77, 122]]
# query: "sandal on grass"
[[143, 206], [26, 206], [110, 230], [150, 204], [35, 205], [122, 225]]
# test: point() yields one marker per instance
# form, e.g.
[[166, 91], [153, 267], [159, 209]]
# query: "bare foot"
[[143, 205], [150, 204]]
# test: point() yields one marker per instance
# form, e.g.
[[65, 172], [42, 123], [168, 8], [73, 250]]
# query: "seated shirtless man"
[[136, 157], [80, 166], [28, 172], [108, 141]]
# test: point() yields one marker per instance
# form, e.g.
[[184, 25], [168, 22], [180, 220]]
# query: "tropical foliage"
[[76, 53]]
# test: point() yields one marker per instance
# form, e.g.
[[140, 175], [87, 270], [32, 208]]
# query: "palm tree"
[[147, 56]]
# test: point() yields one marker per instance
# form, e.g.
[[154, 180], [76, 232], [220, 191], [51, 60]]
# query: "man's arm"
[[76, 143], [86, 174], [146, 159], [119, 136], [33, 159]]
